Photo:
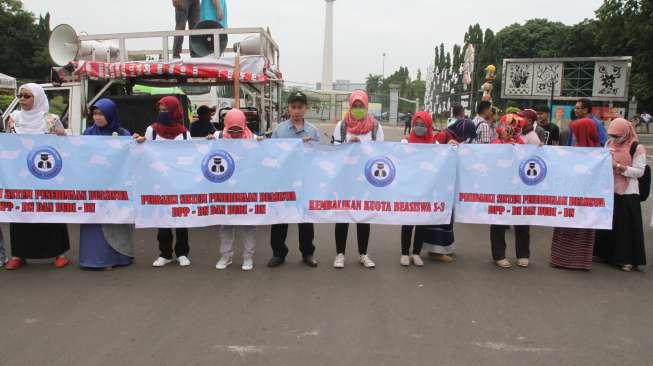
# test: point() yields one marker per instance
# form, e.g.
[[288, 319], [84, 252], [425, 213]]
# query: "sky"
[[407, 31]]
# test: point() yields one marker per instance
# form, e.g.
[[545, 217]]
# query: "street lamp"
[[383, 69]]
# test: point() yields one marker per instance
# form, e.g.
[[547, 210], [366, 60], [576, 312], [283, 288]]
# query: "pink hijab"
[[236, 117], [363, 126], [620, 148]]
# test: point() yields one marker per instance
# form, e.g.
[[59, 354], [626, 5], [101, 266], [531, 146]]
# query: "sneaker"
[[404, 260], [339, 262], [441, 257], [503, 263], [183, 261], [61, 262], [223, 263], [627, 268], [248, 264], [417, 260], [14, 263], [160, 262], [366, 261], [522, 262]]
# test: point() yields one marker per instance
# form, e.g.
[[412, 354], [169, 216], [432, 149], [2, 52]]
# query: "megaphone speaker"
[[203, 45], [63, 44]]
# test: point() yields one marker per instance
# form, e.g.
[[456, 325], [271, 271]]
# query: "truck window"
[[59, 103]]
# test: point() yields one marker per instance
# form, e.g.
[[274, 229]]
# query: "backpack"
[[644, 180], [343, 132], [154, 135]]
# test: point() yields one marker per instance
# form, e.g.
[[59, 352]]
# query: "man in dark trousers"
[[186, 11]]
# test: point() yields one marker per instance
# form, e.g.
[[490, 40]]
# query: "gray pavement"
[[465, 313]]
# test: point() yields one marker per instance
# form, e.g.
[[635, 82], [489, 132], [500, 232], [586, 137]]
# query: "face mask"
[[420, 130], [164, 117], [358, 113]]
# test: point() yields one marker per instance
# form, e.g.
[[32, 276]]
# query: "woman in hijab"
[[572, 248], [235, 127], [509, 131], [169, 126], [36, 241], [357, 126], [105, 246], [624, 245]]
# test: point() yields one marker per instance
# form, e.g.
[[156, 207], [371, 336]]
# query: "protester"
[[528, 128], [105, 246], [294, 128], [550, 131], [646, 118], [216, 10], [461, 131], [572, 248], [485, 128], [421, 133], [36, 241], [583, 109], [203, 126], [624, 245], [357, 126], [169, 126], [235, 127], [511, 126], [186, 11]]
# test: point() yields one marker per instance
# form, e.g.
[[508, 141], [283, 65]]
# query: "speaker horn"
[[201, 46], [251, 46], [64, 46]]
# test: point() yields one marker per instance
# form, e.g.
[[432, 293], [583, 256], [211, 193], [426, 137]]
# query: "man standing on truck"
[[186, 11]]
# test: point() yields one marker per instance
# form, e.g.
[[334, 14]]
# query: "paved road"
[[464, 313]]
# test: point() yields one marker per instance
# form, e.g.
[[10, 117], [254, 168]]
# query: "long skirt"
[[572, 248], [38, 241], [438, 239], [103, 246], [624, 244]]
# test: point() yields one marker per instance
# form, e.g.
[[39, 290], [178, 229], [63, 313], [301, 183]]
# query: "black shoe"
[[310, 261], [276, 262]]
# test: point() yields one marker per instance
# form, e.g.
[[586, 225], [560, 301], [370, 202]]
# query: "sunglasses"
[[24, 96]]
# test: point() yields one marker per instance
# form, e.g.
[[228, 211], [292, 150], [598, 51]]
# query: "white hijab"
[[33, 121]]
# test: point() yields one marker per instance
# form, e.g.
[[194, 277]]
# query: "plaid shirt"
[[485, 132]]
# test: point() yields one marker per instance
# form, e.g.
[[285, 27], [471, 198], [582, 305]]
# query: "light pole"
[[383, 69]]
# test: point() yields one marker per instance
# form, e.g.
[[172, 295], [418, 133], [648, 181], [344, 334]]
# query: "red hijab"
[[429, 138], [171, 131], [620, 148], [236, 118], [363, 126], [585, 133]]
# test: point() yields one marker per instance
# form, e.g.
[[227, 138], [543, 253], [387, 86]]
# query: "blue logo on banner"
[[44, 162], [380, 171], [532, 171], [218, 166]]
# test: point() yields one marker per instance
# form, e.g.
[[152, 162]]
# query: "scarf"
[[463, 130], [110, 112], [34, 120], [620, 148], [354, 126], [429, 138], [233, 118], [175, 129], [585, 133]]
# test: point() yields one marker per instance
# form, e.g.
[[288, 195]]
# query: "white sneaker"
[[503, 263], [248, 264], [339, 262], [366, 261], [183, 261], [523, 262], [417, 260], [404, 260], [160, 262], [223, 263]]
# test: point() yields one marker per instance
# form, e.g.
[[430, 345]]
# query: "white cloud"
[[115, 143], [298, 184], [360, 178], [160, 167], [427, 167], [328, 167], [60, 179], [323, 185], [450, 188], [504, 163], [185, 160], [408, 148], [271, 163], [232, 182], [27, 143], [23, 173], [99, 160], [515, 180], [202, 148], [249, 144], [198, 178], [481, 168], [285, 146], [464, 151], [9, 155], [582, 169], [367, 149], [77, 140], [351, 160]]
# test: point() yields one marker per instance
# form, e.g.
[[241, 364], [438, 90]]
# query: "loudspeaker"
[[203, 45], [252, 46], [64, 46]]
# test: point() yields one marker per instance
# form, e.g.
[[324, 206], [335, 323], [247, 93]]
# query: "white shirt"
[[531, 138], [635, 171], [363, 138], [149, 134]]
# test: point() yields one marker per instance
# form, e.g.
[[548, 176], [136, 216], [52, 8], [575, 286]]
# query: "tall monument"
[[327, 63]]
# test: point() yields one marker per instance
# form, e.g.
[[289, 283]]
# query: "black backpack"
[[644, 180]]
